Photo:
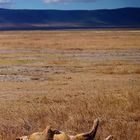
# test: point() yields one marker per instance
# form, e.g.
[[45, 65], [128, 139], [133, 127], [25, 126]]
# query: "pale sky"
[[68, 4]]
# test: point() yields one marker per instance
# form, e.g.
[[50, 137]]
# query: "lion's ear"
[[47, 130], [18, 139]]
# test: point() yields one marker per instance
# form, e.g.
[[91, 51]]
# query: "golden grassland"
[[69, 78]]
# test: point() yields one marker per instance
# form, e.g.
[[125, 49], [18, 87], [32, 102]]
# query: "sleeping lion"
[[52, 134]]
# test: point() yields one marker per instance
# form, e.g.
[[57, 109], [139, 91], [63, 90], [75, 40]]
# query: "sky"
[[68, 4]]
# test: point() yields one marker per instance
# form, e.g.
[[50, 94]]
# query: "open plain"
[[69, 78]]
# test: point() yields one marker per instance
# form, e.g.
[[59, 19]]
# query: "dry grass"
[[67, 79]]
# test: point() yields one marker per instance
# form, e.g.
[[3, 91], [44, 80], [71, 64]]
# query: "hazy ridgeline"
[[69, 78], [19, 19]]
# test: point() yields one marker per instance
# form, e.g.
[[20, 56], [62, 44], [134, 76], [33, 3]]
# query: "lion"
[[53, 134]]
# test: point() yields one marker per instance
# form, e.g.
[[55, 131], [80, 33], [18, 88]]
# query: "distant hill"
[[69, 19]]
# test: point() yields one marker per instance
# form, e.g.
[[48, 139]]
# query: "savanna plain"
[[67, 79]]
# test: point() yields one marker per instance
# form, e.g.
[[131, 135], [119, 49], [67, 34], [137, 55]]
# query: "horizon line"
[[69, 9]]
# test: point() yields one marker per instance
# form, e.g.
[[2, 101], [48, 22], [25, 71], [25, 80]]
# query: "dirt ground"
[[69, 78]]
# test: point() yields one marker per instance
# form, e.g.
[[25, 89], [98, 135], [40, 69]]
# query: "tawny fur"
[[47, 134], [52, 134], [83, 136]]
